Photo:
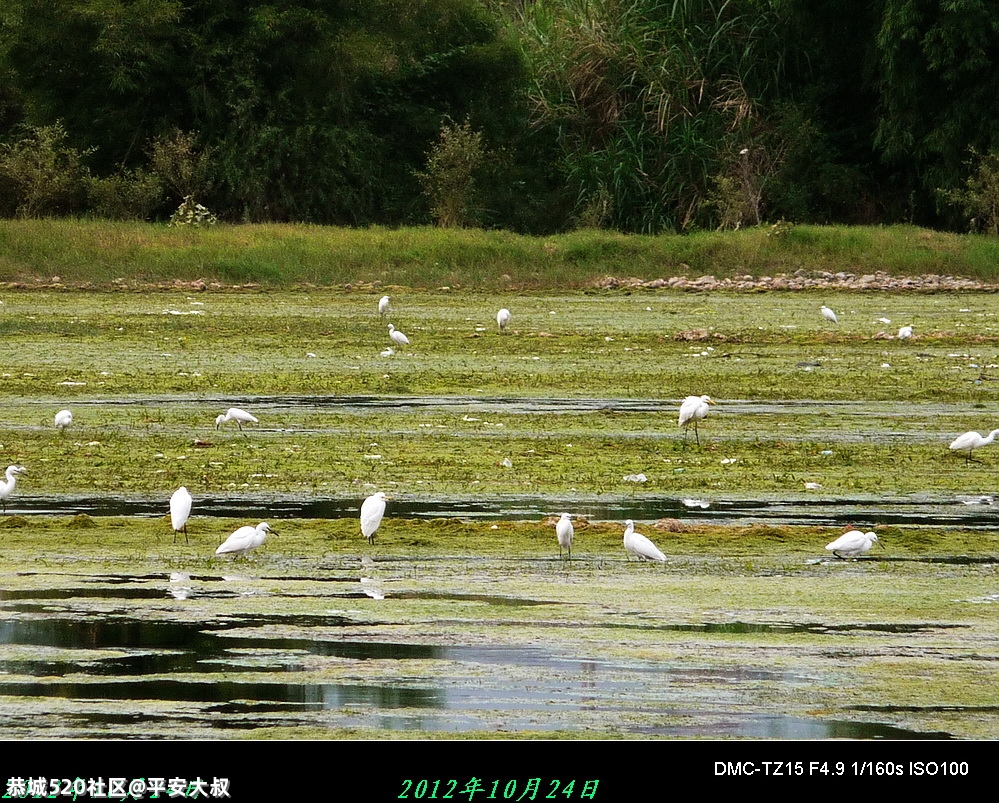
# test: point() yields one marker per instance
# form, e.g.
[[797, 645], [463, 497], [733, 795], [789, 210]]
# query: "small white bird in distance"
[[972, 440], [235, 414], [693, 409], [905, 333], [180, 511], [398, 337], [387, 352], [564, 531], [372, 510], [245, 539], [828, 314], [640, 546], [383, 305], [63, 419], [853, 543], [503, 319], [7, 488]]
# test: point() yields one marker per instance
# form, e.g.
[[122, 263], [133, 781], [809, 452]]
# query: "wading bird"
[[972, 440], [503, 319], [564, 531], [372, 510], [7, 488], [398, 337], [853, 543], [245, 539], [693, 409], [383, 305], [828, 314], [640, 546], [235, 414], [180, 511], [905, 333], [63, 419]]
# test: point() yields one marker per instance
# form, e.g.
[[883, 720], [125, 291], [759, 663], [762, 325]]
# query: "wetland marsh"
[[461, 620]]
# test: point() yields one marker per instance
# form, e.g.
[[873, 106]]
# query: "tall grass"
[[100, 253]]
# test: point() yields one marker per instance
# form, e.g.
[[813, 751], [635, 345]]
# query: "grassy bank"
[[101, 253]]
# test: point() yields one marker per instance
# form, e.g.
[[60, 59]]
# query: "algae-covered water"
[[461, 619]]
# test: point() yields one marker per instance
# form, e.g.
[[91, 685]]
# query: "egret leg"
[[696, 435]]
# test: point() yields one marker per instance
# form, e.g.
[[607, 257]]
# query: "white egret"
[[853, 543], [387, 352], [383, 305], [7, 488], [564, 531], [180, 511], [398, 337], [372, 510], [503, 319], [693, 409], [640, 546], [972, 440], [235, 414], [63, 419], [905, 332], [245, 539], [828, 314]]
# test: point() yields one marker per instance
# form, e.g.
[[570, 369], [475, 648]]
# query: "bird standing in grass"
[[235, 414], [180, 511], [383, 305], [63, 419], [564, 532], [972, 440], [905, 333], [640, 546], [372, 510], [398, 336], [828, 314], [503, 319], [7, 488], [693, 409], [245, 539], [852, 544]]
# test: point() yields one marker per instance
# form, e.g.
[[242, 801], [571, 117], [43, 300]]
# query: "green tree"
[[938, 89], [312, 110]]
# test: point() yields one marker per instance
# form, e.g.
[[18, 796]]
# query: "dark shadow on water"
[[812, 510]]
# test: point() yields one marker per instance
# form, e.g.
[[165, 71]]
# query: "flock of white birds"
[[692, 410]]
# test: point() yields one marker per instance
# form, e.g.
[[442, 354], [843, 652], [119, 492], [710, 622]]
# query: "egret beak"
[[711, 402]]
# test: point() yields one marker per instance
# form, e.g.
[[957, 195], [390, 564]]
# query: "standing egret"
[[640, 546], [828, 314], [235, 414], [63, 419], [180, 511], [7, 488], [503, 319], [383, 305], [564, 531], [853, 543], [398, 337], [972, 440], [905, 332], [245, 539], [693, 409], [372, 510]]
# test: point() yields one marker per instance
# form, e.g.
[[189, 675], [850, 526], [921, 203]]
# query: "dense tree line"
[[536, 115]]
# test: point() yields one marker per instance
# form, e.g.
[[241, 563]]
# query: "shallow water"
[[929, 510], [181, 669]]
